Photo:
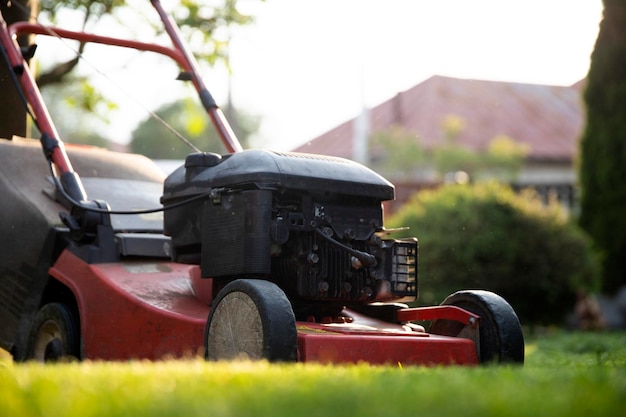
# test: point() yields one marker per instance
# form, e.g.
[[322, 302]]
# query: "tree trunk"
[[12, 110]]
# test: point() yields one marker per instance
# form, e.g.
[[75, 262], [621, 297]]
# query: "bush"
[[485, 236]]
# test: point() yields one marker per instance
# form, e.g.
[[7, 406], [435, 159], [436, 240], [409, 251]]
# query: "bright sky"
[[306, 66]]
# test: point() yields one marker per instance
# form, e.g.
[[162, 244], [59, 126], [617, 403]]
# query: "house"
[[548, 119]]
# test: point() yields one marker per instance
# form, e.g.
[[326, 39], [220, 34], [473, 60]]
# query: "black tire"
[[501, 339], [251, 319], [55, 334]]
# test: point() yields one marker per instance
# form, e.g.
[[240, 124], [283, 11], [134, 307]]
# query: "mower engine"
[[311, 224]]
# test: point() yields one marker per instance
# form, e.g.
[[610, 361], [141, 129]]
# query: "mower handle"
[[180, 53], [219, 120], [52, 146]]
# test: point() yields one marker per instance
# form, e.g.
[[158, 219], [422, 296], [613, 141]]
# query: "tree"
[[196, 19], [603, 146], [399, 154], [12, 122], [152, 138], [70, 101], [396, 152]]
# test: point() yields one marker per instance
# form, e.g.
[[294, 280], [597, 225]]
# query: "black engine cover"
[[300, 220]]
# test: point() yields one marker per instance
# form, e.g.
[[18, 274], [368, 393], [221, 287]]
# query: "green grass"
[[577, 374]]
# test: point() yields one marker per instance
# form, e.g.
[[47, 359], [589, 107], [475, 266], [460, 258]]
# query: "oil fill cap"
[[202, 159]]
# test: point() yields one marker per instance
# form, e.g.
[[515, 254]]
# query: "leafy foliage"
[[69, 100], [206, 23], [203, 24], [153, 139], [502, 159], [603, 146], [400, 154], [94, 8], [486, 236]]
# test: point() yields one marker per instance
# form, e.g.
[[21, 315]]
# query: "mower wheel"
[[55, 334], [251, 319], [500, 334]]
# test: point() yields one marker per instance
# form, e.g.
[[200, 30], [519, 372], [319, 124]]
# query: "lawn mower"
[[252, 254]]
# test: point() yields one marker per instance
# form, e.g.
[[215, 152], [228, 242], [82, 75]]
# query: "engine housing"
[[312, 224]]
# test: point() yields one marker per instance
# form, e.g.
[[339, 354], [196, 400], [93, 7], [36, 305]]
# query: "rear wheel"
[[55, 334], [500, 337], [251, 319]]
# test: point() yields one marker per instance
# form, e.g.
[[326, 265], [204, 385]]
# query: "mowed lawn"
[[566, 374]]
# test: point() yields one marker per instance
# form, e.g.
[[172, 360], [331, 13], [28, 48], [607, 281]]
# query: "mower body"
[[287, 250], [135, 298]]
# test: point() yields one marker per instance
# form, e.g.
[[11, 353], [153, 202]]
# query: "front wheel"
[[500, 336], [55, 334], [251, 319]]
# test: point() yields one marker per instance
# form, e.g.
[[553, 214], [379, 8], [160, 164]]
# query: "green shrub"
[[486, 236]]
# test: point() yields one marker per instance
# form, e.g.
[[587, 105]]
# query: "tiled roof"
[[547, 118]]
